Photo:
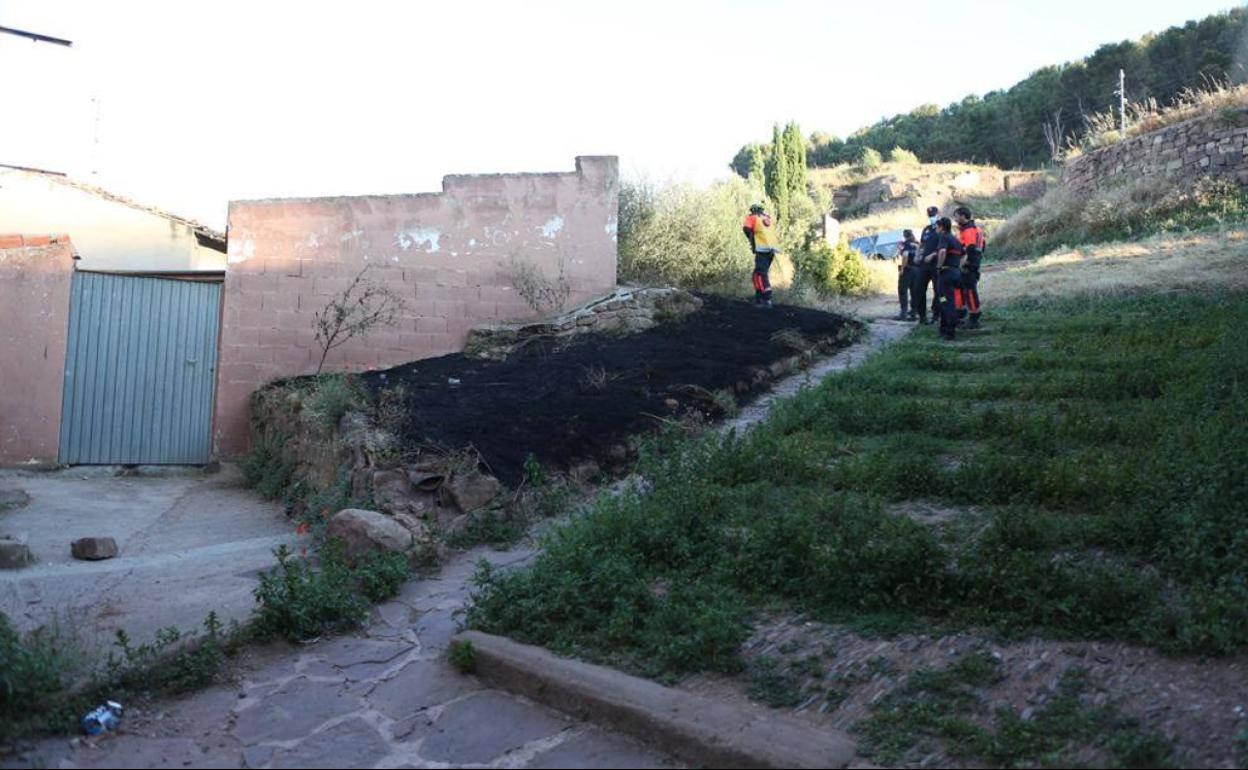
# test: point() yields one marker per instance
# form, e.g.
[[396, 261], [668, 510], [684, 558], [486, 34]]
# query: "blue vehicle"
[[879, 246]]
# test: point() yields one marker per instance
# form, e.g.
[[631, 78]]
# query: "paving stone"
[[487, 726], [435, 628], [293, 712], [258, 756], [353, 743], [418, 686], [596, 750], [351, 651]]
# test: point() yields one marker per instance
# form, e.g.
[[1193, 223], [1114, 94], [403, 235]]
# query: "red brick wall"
[[447, 254], [35, 274]]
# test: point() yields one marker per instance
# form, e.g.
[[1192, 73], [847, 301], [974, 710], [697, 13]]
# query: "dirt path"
[[385, 697]]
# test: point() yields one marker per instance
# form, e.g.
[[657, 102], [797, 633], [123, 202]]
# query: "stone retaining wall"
[[1212, 145]]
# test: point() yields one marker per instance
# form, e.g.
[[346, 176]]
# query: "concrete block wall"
[[35, 276], [450, 255], [1212, 145]]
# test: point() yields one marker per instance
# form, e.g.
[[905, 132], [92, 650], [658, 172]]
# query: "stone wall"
[[1212, 145], [35, 276], [452, 256]]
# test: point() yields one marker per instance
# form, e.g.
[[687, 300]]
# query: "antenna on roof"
[[36, 37]]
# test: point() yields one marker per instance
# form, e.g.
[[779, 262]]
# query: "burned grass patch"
[[585, 399]]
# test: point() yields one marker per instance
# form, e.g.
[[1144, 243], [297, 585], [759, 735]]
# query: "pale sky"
[[204, 101]]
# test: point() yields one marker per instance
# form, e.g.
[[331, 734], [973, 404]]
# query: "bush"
[[831, 271], [869, 161], [900, 155], [300, 602], [685, 236], [32, 667], [331, 397]]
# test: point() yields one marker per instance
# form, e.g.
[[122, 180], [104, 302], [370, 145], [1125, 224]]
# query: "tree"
[[795, 153], [777, 175], [362, 307], [1007, 127]]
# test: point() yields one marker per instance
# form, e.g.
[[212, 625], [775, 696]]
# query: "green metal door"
[[140, 368]]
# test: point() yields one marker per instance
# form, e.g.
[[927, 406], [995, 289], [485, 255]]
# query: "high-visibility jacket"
[[766, 239], [973, 243]]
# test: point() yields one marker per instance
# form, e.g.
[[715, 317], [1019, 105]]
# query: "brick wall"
[[1213, 145], [35, 274], [447, 254]]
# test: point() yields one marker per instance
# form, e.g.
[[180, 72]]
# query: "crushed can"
[[105, 718]]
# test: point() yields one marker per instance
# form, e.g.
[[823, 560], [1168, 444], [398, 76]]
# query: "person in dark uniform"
[[907, 276], [949, 269], [926, 274], [973, 243]]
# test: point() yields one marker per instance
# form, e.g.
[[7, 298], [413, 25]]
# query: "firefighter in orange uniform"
[[760, 230]]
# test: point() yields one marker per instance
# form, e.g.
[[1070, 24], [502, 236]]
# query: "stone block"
[[94, 548]]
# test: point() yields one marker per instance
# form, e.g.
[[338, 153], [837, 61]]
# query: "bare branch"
[[362, 307]]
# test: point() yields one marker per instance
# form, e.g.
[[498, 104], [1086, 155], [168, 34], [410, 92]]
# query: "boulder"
[[15, 554], [93, 548], [363, 532], [395, 493], [470, 493]]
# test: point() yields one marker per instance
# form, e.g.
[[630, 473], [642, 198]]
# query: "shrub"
[[831, 270], [869, 161], [332, 396], [900, 155], [32, 666], [685, 236], [463, 657], [300, 602]]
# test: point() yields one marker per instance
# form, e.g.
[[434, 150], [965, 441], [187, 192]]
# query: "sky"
[[188, 104]]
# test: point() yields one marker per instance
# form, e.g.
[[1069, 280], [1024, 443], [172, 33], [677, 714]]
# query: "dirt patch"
[[583, 400], [836, 675]]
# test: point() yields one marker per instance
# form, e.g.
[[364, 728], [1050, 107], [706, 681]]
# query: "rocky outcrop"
[[624, 311]]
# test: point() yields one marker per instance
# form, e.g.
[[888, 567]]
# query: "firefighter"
[[949, 256], [764, 241], [907, 276], [929, 244], [973, 243]]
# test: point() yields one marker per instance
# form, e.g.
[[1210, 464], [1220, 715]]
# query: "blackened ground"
[[557, 404]]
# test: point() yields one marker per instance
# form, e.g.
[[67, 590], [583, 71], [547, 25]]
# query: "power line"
[[36, 37]]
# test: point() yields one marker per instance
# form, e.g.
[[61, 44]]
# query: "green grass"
[[1102, 447], [940, 708]]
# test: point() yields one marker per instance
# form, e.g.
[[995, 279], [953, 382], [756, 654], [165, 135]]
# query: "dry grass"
[[1187, 262], [1136, 207], [1148, 116], [1208, 261]]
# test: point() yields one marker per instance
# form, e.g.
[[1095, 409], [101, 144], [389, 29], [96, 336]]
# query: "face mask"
[[932, 221]]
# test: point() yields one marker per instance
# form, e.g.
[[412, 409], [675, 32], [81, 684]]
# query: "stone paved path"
[[386, 698]]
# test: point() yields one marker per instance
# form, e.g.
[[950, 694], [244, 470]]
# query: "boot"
[[974, 324]]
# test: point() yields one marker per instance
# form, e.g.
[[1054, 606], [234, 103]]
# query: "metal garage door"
[[140, 367]]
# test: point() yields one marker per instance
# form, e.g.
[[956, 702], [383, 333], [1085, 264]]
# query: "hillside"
[[897, 195]]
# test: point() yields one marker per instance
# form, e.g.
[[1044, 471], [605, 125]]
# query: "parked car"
[[879, 246]]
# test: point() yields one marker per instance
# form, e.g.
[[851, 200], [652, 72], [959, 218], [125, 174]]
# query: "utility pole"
[[1122, 100]]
